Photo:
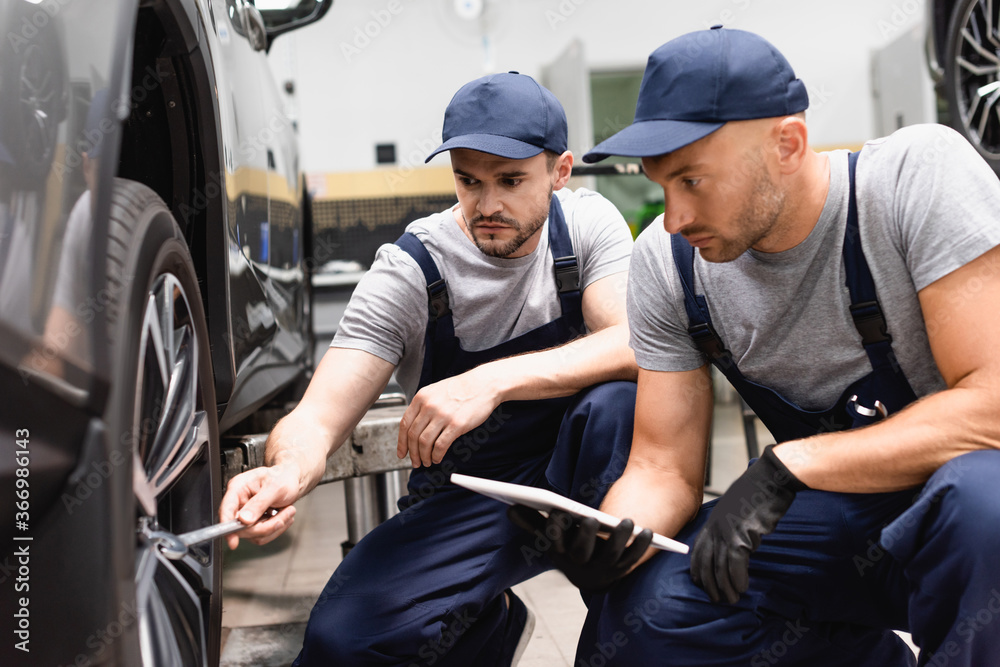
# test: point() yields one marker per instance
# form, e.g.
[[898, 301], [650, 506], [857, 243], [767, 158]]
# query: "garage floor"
[[269, 590]]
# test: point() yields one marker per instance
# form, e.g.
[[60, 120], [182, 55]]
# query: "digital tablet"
[[544, 500]]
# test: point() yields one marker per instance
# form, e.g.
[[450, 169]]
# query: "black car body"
[[154, 296]]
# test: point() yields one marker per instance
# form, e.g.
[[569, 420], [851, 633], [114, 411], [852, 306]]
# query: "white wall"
[[383, 70]]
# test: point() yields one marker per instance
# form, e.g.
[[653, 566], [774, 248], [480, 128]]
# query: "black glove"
[[748, 510], [591, 563]]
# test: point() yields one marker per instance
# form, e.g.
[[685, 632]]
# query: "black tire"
[[173, 435], [972, 75]]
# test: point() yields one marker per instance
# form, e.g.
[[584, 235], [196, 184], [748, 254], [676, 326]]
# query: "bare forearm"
[[344, 386], [902, 451], [663, 482], [653, 498], [564, 370], [301, 442]]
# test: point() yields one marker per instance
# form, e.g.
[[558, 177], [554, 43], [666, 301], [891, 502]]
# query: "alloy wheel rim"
[[977, 75], [170, 436]]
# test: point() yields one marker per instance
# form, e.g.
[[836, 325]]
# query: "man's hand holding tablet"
[[592, 548]]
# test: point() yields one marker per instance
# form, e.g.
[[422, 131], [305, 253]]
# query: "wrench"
[[176, 547]]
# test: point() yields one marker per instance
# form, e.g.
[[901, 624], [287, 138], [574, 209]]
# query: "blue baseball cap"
[[696, 83], [506, 114]]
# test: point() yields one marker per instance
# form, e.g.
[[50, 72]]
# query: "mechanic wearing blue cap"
[[482, 310], [854, 302]]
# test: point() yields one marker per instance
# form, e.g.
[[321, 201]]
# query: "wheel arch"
[[174, 112], [938, 18]]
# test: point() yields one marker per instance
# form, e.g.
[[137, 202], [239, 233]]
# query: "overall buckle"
[[437, 300], [870, 322], [567, 274], [708, 341]]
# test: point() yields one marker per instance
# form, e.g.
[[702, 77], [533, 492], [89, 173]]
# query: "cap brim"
[[651, 137], [512, 149]]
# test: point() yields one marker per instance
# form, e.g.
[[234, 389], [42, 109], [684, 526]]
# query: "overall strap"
[[892, 389], [865, 309], [885, 388], [699, 320], [439, 318], [567, 272]]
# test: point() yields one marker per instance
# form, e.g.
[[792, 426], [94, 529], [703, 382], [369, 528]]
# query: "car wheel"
[[162, 410], [972, 75]]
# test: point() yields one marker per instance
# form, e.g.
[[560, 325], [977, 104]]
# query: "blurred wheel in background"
[[972, 75]]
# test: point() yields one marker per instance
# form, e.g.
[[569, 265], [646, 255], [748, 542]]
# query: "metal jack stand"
[[370, 501]]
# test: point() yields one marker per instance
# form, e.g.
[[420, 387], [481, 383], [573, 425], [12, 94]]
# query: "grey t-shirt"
[[492, 300], [927, 205]]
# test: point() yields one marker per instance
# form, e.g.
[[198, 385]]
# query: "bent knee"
[[364, 630], [967, 487], [617, 393], [958, 506]]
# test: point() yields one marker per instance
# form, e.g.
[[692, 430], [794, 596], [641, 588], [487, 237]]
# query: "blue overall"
[[426, 587], [841, 570]]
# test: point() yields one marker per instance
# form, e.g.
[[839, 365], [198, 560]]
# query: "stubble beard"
[[756, 220], [489, 245]]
